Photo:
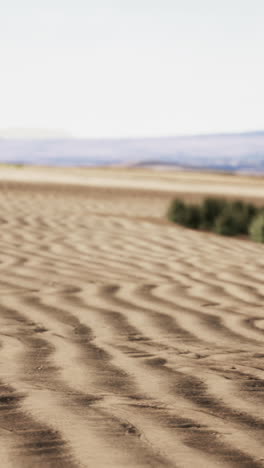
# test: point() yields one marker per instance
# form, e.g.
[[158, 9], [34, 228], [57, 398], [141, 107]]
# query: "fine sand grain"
[[126, 341]]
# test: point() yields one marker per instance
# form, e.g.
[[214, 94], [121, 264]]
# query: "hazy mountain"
[[234, 152]]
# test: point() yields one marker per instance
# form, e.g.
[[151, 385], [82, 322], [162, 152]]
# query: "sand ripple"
[[125, 341]]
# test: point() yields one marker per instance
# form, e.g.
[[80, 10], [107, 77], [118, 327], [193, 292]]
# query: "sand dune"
[[126, 341]]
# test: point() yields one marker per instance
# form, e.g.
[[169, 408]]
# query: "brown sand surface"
[[126, 341]]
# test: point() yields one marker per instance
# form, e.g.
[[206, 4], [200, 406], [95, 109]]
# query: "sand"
[[126, 341]]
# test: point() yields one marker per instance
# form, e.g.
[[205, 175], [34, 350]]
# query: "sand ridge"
[[126, 341]]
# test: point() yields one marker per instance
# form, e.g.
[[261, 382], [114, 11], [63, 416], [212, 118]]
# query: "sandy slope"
[[125, 341]]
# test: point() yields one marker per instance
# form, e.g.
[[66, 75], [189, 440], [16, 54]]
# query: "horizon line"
[[126, 138]]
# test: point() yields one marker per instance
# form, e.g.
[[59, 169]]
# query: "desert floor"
[[126, 341]]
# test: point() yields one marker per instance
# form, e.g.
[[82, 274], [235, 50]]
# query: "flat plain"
[[126, 340]]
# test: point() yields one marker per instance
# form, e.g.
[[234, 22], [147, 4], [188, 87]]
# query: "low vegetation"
[[228, 218], [257, 228]]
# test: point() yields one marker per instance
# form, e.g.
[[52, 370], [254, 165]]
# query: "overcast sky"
[[117, 68]]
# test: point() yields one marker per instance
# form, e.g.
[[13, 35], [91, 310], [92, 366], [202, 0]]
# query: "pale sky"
[[124, 68]]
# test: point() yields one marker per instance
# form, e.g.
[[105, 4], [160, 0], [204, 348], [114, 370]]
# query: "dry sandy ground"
[[126, 341]]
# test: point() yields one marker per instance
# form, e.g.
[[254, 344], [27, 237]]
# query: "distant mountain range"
[[239, 152]]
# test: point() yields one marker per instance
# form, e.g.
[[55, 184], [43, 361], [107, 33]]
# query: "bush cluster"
[[256, 229], [229, 218]]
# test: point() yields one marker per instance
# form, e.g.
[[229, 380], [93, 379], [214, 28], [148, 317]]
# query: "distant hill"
[[228, 152]]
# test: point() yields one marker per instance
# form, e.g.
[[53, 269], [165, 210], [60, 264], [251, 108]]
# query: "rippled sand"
[[126, 341]]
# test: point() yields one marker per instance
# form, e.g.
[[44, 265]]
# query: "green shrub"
[[210, 210], [256, 229], [227, 224], [177, 212], [192, 217], [228, 218], [244, 213], [186, 215], [252, 210]]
